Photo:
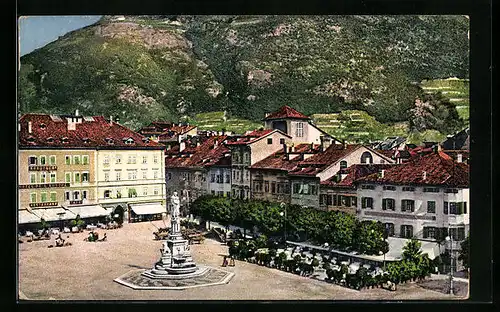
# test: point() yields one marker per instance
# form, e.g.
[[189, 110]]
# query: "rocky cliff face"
[[143, 68]]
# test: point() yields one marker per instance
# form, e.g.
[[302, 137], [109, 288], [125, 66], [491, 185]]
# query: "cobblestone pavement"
[[86, 271]]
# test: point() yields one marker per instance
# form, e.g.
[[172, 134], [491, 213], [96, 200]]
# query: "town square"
[[160, 164]]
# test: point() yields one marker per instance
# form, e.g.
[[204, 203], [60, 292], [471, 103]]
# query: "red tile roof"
[[200, 156], [252, 137], [286, 111], [439, 168], [280, 160], [354, 173], [174, 131], [50, 131]]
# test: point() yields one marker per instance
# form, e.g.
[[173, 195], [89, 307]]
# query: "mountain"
[[141, 68]]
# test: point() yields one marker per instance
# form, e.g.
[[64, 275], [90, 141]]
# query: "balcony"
[[456, 219], [399, 215], [76, 202], [44, 185], [46, 204], [41, 168]]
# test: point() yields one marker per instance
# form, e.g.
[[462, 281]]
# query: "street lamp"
[[450, 239], [283, 214]]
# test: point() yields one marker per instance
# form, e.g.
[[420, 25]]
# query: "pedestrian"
[[231, 262], [224, 262]]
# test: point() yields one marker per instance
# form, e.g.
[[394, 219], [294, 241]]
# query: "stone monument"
[[175, 259]]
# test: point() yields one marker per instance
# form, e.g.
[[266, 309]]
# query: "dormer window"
[[110, 141], [86, 140], [50, 140], [64, 140], [128, 141], [31, 139], [43, 126]]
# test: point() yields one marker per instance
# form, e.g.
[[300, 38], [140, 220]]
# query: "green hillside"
[[456, 90], [215, 121], [143, 68]]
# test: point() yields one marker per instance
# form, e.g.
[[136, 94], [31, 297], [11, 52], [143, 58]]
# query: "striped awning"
[[89, 211]]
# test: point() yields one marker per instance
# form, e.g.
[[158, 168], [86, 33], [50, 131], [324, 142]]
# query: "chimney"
[[29, 126], [325, 142], [424, 175], [111, 120], [19, 127], [382, 173], [182, 146], [459, 158], [77, 113]]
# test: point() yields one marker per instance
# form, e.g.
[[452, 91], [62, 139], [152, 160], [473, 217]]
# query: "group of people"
[[225, 262], [94, 237]]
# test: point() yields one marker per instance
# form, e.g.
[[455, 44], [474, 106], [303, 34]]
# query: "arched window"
[[343, 164], [366, 158]]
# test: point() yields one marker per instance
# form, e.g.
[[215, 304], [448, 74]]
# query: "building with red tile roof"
[[286, 112], [168, 133], [422, 198], [80, 165], [201, 167]]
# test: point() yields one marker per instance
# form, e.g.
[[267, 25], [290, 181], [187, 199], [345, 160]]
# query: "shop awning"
[[89, 211], [54, 214], [145, 209], [27, 217]]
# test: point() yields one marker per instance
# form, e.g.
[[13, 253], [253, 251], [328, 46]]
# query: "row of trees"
[[340, 230]]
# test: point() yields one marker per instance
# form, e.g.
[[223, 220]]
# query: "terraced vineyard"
[[357, 126], [216, 121], [457, 90]]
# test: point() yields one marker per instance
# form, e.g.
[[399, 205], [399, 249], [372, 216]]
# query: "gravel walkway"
[[85, 271]]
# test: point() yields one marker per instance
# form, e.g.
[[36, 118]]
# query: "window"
[[367, 202], [389, 188], [145, 191], [118, 159], [155, 174], [212, 178], [227, 178], [169, 176], [313, 190], [287, 188], [85, 177], [406, 231], [388, 204], [67, 177], [43, 177], [445, 207], [213, 193], [389, 228], [132, 193], [33, 198], [131, 159], [118, 176], [429, 232], [228, 194], [66, 195], [76, 159], [366, 158], [247, 175], [105, 161], [144, 159], [156, 191], [43, 197], [53, 177], [451, 191], [77, 177], [431, 206], [85, 159], [431, 189], [273, 187], [368, 187], [465, 207], [53, 196], [67, 160], [84, 194], [407, 205], [408, 189], [329, 199], [118, 193], [345, 200], [144, 174], [106, 176], [52, 160], [32, 178], [282, 141], [354, 201], [107, 194], [266, 186], [155, 159], [134, 175], [43, 160], [32, 161], [343, 164], [300, 130], [458, 234], [270, 141]]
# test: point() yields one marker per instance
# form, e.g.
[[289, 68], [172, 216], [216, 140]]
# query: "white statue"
[[174, 199]]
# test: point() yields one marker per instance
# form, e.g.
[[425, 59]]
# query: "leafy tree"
[[464, 252], [412, 251]]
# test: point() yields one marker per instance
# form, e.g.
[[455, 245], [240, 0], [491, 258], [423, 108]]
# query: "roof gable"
[[284, 112]]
